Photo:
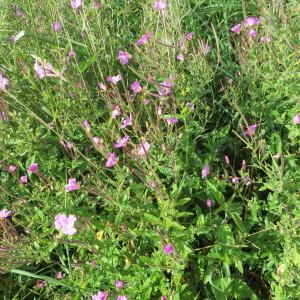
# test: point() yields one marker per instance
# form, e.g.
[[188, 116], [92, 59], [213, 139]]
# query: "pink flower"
[[236, 28], [72, 185], [59, 275], [251, 21], [226, 158], [147, 101], [76, 3], [252, 33], [163, 298], [41, 283], [69, 145], [97, 4], [152, 185], [71, 55], [172, 120], [122, 298], [180, 57], [56, 26], [23, 179], [4, 213], [159, 110], [11, 169], [3, 116], [116, 112], [168, 249], [119, 284], [250, 131], [265, 39], [136, 87], [86, 125], [4, 82], [122, 142], [189, 36], [235, 179], [100, 296], [127, 122], [160, 5], [33, 168], [191, 106], [114, 79], [65, 224], [97, 141], [144, 39], [45, 70], [205, 172], [143, 148], [111, 160], [209, 203], [124, 57], [166, 87], [102, 86], [296, 119]]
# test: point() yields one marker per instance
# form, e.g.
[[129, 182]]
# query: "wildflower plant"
[[149, 150]]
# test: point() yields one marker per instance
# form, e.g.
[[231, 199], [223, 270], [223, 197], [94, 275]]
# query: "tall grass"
[[201, 202]]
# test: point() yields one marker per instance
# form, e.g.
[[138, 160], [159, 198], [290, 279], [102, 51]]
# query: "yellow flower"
[[127, 262], [100, 235]]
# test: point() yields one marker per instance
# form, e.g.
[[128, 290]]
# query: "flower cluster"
[[250, 25]]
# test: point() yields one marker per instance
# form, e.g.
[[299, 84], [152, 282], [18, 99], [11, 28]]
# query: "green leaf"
[[43, 277], [170, 223], [47, 111], [184, 214], [218, 196], [240, 290], [239, 222], [152, 219], [83, 66], [64, 44], [239, 266], [182, 201]]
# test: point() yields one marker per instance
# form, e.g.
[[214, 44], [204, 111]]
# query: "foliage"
[[210, 210]]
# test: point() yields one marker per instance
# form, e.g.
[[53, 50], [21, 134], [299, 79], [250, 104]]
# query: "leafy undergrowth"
[[149, 150]]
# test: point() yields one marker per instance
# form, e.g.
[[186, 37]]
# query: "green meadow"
[[149, 150]]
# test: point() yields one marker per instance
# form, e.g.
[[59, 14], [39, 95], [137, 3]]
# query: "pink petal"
[[144, 39], [111, 160], [143, 148]]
